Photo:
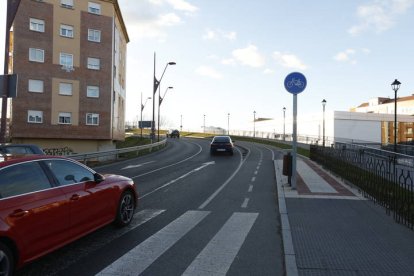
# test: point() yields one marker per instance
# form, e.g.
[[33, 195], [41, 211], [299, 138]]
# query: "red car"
[[47, 202]]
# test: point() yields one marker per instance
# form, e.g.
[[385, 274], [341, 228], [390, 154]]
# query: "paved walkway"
[[328, 228]]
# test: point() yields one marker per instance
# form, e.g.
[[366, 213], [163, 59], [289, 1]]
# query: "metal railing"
[[115, 154], [384, 177]]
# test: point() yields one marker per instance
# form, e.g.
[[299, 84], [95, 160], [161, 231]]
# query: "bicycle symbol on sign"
[[295, 82]]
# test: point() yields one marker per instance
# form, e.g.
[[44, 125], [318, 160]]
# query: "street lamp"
[[395, 86], [254, 124], [159, 107], [204, 123], [228, 123], [181, 123], [284, 121], [142, 108], [155, 87], [323, 128]]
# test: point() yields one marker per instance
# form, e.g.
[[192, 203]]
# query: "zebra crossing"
[[215, 259]]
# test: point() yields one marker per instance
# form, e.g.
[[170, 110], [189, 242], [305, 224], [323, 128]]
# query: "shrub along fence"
[[383, 176]]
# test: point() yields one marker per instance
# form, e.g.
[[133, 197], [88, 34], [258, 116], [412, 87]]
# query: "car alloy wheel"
[[6, 261], [126, 209]]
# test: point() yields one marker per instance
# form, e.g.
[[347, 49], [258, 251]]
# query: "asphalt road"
[[198, 215]]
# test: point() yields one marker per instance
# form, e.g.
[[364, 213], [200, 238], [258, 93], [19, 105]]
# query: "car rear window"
[[222, 139]]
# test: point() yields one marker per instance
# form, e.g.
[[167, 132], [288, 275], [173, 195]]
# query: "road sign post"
[[295, 83]]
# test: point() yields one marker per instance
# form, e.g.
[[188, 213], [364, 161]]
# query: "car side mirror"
[[98, 178]]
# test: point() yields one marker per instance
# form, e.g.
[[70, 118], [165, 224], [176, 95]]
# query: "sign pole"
[[294, 143], [295, 83]]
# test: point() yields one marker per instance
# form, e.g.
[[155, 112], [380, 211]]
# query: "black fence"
[[382, 176]]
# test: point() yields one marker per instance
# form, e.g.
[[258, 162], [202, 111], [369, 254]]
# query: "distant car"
[[20, 149], [221, 144], [175, 134], [47, 202]]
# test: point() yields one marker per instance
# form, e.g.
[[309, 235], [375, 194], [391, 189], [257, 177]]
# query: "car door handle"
[[74, 197], [19, 213]]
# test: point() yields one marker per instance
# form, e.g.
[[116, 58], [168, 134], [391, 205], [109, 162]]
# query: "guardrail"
[[114, 154]]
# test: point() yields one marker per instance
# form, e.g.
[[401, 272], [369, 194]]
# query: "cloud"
[[249, 56], [289, 60], [219, 34], [208, 71], [349, 55], [182, 5], [268, 71], [228, 61], [379, 16], [153, 18]]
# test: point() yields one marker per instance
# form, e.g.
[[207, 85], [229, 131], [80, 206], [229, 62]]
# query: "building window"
[[92, 91], [65, 89], [37, 25], [94, 8], [66, 60], [35, 86], [92, 119], [35, 116], [66, 3], [65, 118], [94, 63], [66, 30], [37, 55], [94, 35]]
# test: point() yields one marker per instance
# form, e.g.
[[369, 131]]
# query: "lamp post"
[[395, 86], [323, 124], [204, 123], [284, 121], [181, 123], [142, 109], [228, 123], [160, 99], [155, 87], [254, 124]]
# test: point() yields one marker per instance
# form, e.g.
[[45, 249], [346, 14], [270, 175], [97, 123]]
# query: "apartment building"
[[70, 57]]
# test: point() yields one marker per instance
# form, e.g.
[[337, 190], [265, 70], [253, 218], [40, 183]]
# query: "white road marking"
[[176, 163], [202, 206], [253, 178], [250, 188], [217, 257], [258, 167], [245, 203], [179, 178], [142, 256], [256, 172], [136, 166]]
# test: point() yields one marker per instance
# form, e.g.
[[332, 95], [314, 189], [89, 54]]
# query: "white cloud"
[[228, 61], [289, 60], [379, 16], [208, 71], [219, 34], [268, 71], [169, 19], [349, 55], [345, 55], [249, 56], [182, 5]]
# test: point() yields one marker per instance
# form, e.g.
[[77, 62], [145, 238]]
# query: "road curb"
[[288, 249]]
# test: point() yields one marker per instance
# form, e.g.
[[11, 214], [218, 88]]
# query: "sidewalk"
[[329, 229]]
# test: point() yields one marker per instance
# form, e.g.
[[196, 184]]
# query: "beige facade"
[[71, 60]]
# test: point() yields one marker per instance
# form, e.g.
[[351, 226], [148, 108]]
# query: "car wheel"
[[6, 260], [126, 209]]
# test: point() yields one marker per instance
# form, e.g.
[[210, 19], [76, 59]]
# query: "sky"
[[232, 57]]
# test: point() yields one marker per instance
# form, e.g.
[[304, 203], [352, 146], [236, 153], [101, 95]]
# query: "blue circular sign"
[[295, 83]]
